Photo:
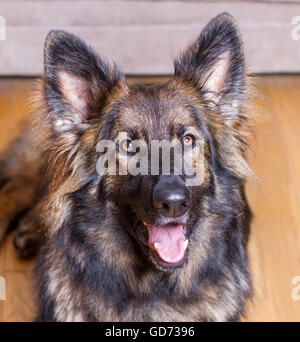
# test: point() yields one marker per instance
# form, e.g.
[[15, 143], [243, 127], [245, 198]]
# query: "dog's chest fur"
[[99, 275]]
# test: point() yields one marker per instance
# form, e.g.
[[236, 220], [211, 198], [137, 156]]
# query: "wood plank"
[[6, 86], [2, 261], [19, 304], [274, 219]]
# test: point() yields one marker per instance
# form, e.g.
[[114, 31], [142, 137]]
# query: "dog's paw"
[[26, 243]]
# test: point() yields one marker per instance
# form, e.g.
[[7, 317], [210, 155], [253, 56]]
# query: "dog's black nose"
[[172, 199]]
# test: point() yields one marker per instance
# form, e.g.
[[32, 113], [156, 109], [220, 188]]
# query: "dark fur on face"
[[97, 261]]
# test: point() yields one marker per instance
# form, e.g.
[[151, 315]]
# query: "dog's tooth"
[[145, 224], [155, 245], [185, 244]]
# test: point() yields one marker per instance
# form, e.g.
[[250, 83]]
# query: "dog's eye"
[[188, 140], [127, 146]]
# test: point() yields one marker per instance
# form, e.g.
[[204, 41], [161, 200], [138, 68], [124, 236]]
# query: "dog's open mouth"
[[168, 241]]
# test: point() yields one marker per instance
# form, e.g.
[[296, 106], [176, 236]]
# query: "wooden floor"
[[275, 201]]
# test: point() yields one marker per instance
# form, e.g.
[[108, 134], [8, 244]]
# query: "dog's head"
[[88, 103]]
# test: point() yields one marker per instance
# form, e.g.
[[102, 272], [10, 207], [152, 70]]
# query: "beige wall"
[[144, 36]]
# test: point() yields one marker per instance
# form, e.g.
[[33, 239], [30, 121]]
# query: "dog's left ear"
[[214, 63]]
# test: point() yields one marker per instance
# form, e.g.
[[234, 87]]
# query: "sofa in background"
[[144, 36]]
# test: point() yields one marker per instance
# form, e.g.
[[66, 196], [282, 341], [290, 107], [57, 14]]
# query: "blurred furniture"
[[144, 36]]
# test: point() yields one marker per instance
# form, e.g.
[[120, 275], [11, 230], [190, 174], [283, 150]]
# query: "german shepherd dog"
[[124, 247]]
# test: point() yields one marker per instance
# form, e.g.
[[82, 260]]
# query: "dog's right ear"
[[77, 81]]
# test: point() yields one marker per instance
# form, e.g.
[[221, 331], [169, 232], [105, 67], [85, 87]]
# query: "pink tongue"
[[169, 241]]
